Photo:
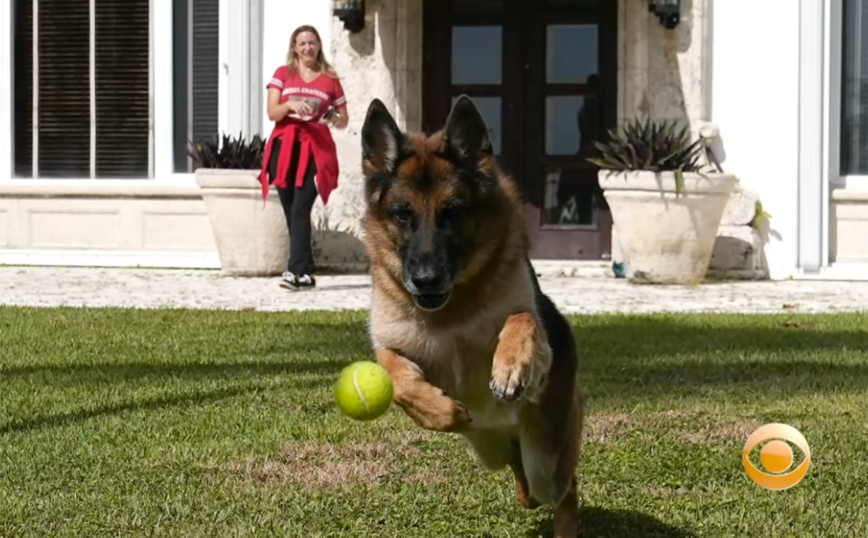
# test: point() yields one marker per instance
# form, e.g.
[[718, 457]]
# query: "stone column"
[[382, 61], [664, 74]]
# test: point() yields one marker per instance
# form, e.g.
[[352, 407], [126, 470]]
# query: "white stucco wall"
[[755, 90]]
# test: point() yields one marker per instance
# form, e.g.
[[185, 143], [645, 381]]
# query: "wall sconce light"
[[668, 11], [351, 13]]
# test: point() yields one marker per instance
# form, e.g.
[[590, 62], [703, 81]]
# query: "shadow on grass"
[[679, 333], [596, 522], [635, 356], [645, 356], [67, 374], [176, 400]]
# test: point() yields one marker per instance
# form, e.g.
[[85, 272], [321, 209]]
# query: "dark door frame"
[[523, 88]]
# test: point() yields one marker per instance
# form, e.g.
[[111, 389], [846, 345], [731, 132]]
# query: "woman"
[[305, 97]]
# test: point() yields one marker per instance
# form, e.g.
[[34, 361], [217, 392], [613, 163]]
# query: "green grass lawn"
[[189, 423]]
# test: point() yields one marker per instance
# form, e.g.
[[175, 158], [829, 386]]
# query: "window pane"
[[63, 145], [476, 54], [22, 76], [854, 98], [63, 91], [571, 53], [572, 123], [490, 108], [570, 197], [122, 88], [196, 75]]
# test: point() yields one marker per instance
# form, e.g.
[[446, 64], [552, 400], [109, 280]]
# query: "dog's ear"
[[466, 138], [383, 143]]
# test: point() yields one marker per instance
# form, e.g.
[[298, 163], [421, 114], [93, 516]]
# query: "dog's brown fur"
[[496, 363]]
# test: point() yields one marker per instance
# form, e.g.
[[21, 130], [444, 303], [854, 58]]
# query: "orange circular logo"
[[776, 456]]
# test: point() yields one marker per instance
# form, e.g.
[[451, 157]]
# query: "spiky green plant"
[[658, 146], [228, 152]]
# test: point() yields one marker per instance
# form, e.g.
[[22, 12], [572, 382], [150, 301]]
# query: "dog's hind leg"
[[550, 445], [497, 450], [567, 512], [522, 489]]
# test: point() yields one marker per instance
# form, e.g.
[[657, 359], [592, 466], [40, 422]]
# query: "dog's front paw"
[[455, 416], [441, 413], [521, 360], [510, 375]]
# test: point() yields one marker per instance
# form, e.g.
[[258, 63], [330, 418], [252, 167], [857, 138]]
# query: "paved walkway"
[[157, 288]]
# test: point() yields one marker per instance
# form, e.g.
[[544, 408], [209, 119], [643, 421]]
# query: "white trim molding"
[[255, 83], [832, 44], [223, 49], [810, 257], [175, 186], [243, 29], [843, 271], [162, 95]]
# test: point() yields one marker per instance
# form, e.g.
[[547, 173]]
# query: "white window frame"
[[820, 99], [239, 74], [832, 75], [812, 216]]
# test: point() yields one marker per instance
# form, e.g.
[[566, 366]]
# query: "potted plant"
[[666, 205], [251, 236]]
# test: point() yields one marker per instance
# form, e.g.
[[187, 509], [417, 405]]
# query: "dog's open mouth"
[[431, 301]]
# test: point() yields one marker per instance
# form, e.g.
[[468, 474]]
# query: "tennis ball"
[[364, 390]]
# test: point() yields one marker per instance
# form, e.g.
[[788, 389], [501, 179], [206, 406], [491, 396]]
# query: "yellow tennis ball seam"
[[359, 389]]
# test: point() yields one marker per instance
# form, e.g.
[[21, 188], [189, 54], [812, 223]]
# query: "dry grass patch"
[[729, 429], [608, 427], [324, 466], [690, 426]]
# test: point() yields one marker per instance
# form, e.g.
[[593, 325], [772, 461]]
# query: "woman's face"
[[307, 47]]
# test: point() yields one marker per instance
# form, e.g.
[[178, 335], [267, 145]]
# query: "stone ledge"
[[736, 274], [96, 188], [572, 268], [849, 195]]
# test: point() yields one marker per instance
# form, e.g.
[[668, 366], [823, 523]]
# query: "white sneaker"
[[291, 282], [288, 281]]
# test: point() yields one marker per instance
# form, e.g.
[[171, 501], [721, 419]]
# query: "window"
[[195, 66], [82, 85], [81, 88], [854, 86]]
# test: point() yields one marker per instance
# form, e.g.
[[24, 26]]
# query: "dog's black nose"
[[427, 279]]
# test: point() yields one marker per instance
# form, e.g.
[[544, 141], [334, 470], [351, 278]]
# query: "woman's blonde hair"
[[292, 56]]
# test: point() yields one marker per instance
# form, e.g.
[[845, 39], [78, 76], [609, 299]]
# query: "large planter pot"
[[251, 237], [666, 238]]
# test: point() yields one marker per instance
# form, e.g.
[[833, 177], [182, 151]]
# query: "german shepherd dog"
[[457, 316]]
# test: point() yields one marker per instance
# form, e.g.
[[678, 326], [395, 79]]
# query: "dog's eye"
[[402, 215], [452, 212]]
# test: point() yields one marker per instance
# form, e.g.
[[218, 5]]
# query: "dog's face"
[[430, 201]]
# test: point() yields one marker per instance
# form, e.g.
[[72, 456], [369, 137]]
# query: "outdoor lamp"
[[668, 11], [351, 13]]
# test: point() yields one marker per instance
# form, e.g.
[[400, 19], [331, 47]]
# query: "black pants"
[[297, 203]]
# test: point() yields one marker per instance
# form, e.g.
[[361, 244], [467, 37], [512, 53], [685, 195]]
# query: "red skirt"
[[315, 142]]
